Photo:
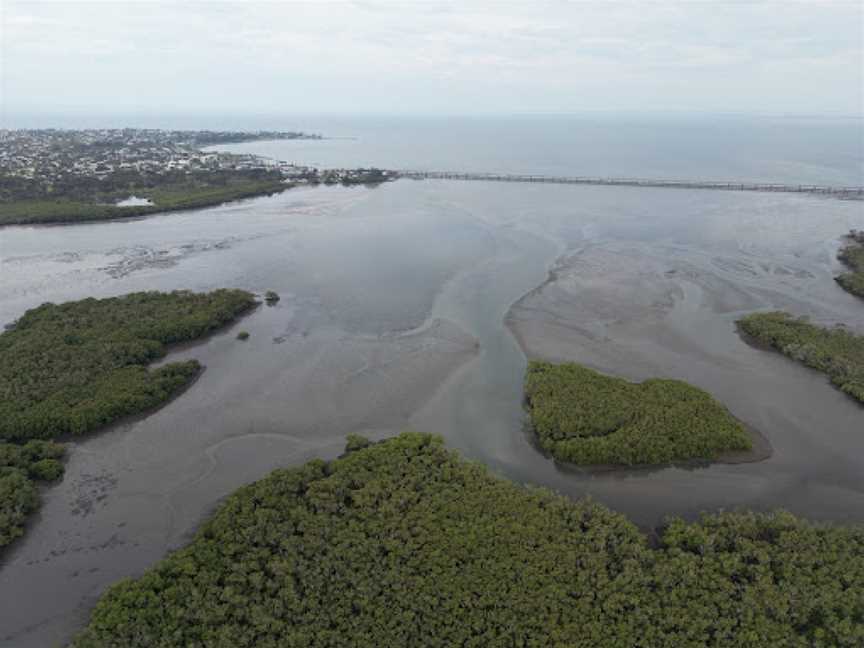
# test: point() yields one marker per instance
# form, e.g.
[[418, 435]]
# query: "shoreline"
[[73, 440], [143, 211], [70, 211], [762, 345], [761, 449]]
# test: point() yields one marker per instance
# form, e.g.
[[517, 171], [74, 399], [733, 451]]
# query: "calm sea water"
[[784, 149], [395, 309], [734, 148]]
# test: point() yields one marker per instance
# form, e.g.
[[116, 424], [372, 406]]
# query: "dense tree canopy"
[[86, 199], [20, 467], [834, 351], [852, 254], [401, 543], [584, 417], [74, 367]]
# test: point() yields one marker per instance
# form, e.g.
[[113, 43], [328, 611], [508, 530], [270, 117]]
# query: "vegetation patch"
[[852, 254], [583, 417], [166, 194], [401, 543], [21, 467], [74, 367], [834, 351]]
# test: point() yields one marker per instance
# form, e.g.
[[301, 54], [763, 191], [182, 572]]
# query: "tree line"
[[852, 255], [121, 182], [835, 351], [21, 468]]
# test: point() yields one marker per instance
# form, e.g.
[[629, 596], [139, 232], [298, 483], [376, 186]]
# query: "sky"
[[426, 58]]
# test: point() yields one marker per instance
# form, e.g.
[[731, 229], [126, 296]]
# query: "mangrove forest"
[[74, 367], [22, 468], [835, 351], [402, 543], [584, 417], [852, 255], [169, 192]]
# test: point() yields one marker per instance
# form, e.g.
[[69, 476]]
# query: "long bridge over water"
[[849, 192]]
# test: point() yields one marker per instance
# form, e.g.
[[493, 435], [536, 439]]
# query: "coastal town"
[[49, 158], [52, 175]]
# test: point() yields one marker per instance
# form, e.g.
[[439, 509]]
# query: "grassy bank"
[[583, 417], [852, 254], [834, 351], [404, 544], [165, 198]]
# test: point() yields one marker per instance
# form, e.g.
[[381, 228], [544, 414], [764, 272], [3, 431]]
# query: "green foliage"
[[852, 255], [74, 367], [584, 417], [167, 194], [38, 459], [834, 351], [243, 335], [18, 498], [403, 544], [356, 442], [271, 297], [20, 466], [46, 470], [852, 282]]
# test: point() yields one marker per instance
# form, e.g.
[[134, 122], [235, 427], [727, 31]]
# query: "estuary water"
[[415, 305]]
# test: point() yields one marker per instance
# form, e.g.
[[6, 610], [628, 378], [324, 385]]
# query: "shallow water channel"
[[410, 306]]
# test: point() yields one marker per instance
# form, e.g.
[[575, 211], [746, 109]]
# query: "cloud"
[[460, 57]]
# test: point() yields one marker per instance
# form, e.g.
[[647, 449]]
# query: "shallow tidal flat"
[[669, 311], [132, 493], [324, 361], [394, 315]]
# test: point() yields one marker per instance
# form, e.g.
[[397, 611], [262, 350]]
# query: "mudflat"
[[395, 313]]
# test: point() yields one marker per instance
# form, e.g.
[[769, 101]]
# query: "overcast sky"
[[431, 57]]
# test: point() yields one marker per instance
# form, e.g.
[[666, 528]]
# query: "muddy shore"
[[399, 309]]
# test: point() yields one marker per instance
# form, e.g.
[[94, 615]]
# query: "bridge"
[[828, 190]]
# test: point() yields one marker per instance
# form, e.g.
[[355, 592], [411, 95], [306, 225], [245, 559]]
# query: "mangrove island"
[[581, 416], [72, 368]]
